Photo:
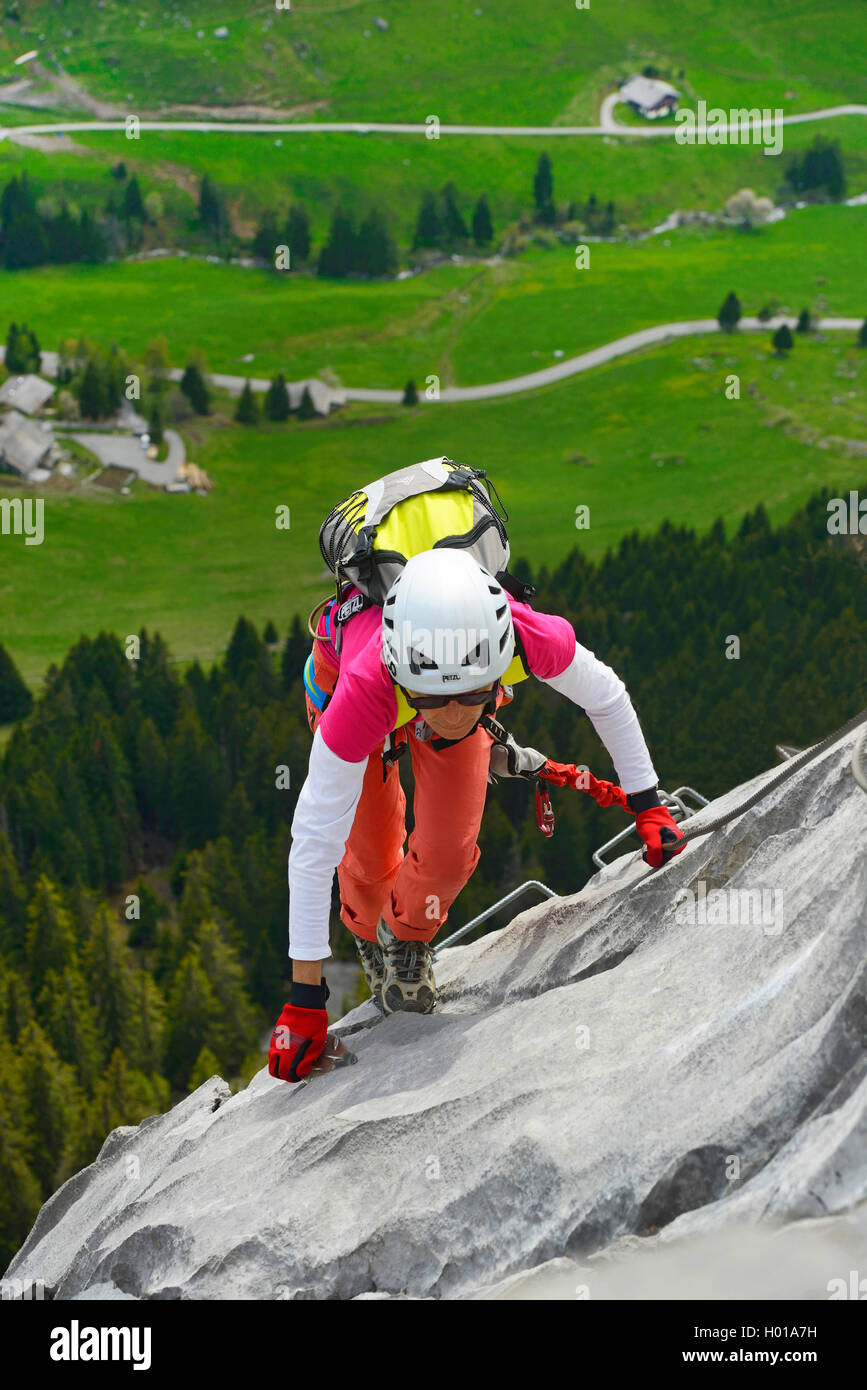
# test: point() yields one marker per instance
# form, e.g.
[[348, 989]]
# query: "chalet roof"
[[647, 92], [23, 445], [28, 393]]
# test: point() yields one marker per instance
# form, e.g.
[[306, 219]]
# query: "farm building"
[[26, 393], [649, 96], [25, 447]]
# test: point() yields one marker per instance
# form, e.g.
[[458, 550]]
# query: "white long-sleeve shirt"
[[330, 795]]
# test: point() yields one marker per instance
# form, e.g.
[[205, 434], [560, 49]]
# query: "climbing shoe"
[[370, 955], [408, 982]]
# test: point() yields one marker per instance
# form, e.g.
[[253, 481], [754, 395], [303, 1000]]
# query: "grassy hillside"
[[646, 179], [469, 323], [466, 60], [638, 441]]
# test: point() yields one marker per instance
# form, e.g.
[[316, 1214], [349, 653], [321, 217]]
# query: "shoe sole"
[[394, 1001]]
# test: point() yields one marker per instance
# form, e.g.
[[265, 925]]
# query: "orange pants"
[[414, 891]]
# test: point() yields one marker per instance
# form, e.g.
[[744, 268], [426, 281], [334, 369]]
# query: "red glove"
[[660, 834], [299, 1035]]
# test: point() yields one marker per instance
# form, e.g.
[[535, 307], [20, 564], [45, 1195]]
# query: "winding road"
[[511, 386], [571, 366], [608, 126]]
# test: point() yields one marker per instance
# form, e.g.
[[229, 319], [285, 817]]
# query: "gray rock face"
[[610, 1092]]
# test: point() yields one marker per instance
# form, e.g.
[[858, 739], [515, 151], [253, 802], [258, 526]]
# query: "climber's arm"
[[320, 828], [588, 682]]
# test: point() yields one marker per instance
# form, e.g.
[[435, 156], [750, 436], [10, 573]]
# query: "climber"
[[436, 652]]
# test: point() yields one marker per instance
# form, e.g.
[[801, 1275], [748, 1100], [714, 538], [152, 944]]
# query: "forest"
[[145, 813]]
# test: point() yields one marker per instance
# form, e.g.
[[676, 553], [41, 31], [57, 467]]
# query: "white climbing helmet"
[[446, 624]]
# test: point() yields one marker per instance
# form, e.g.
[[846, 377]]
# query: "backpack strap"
[[516, 587], [345, 609]]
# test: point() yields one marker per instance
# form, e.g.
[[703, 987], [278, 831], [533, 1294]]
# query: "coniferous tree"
[[277, 399], [243, 650], [820, 168], [25, 242], [109, 966], [92, 398], [132, 208], [429, 228], [211, 212], [306, 408], [270, 635], [483, 229], [22, 350], [206, 1065], [543, 190], [16, 701], [54, 1103], [64, 1011], [142, 916], [453, 223], [21, 1193], [862, 335], [782, 340], [803, 325], [196, 781], [375, 252], [247, 411], [194, 388], [295, 653], [267, 238], [193, 1018], [235, 1031], [298, 236], [729, 313], [268, 972], [337, 258], [147, 1023], [410, 394], [50, 942], [90, 242], [123, 1096], [13, 907]]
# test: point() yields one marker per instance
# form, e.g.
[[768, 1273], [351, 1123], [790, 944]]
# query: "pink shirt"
[[364, 705]]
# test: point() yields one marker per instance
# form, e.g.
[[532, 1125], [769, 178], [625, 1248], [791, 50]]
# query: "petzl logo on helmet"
[[352, 605]]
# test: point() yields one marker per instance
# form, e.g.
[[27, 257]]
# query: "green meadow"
[[646, 178], [469, 323], [648, 438], [644, 439], [466, 60]]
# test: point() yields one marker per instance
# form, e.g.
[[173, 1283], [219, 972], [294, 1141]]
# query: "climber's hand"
[[300, 1033], [511, 760], [660, 834]]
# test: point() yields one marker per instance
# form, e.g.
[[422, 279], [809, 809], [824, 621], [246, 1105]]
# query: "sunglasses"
[[469, 697]]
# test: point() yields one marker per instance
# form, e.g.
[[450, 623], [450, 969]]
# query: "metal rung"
[[489, 912], [673, 801]]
